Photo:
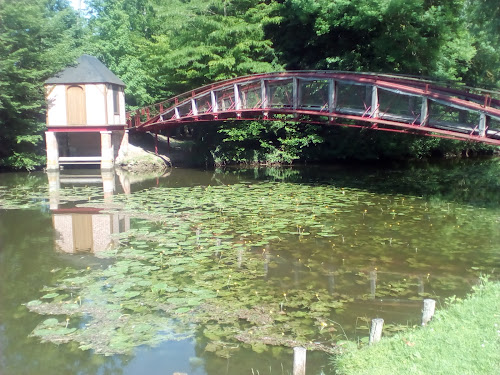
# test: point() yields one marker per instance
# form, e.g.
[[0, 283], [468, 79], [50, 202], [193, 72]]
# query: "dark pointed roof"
[[87, 70]]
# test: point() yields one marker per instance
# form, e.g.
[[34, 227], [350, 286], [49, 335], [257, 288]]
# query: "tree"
[[37, 39], [426, 38], [483, 23], [271, 142], [197, 42], [163, 47], [394, 36], [118, 31]]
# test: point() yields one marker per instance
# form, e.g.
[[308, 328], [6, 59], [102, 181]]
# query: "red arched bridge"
[[376, 101]]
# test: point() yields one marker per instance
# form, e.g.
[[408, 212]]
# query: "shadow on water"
[[468, 181]]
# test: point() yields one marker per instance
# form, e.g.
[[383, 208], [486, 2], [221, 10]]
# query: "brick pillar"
[[107, 150], [52, 151]]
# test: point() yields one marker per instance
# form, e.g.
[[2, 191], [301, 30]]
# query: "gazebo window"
[[116, 99]]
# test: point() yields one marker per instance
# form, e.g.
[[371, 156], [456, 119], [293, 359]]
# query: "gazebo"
[[85, 116]]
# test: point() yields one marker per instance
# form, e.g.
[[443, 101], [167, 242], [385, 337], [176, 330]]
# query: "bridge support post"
[[482, 125], [332, 95], [263, 93], [375, 104], [213, 98], [194, 107], [295, 94], [107, 150], [424, 111], [237, 100], [52, 151]]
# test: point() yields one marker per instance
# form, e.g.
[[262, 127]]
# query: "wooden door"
[[76, 108]]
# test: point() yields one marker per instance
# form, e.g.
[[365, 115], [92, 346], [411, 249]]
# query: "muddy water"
[[321, 251]]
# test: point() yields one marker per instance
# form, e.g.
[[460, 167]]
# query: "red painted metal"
[[85, 128], [458, 97], [349, 76]]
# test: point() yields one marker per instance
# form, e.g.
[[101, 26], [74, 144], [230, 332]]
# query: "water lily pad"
[[50, 295], [50, 322]]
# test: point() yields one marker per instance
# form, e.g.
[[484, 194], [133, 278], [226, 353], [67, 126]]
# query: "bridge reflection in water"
[[86, 229]]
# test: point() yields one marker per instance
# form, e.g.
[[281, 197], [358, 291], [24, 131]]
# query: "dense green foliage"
[[37, 38], [462, 339], [286, 142], [483, 23], [161, 48]]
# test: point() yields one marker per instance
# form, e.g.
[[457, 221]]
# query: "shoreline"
[[462, 338]]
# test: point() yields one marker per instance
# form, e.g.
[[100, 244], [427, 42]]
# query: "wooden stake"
[[373, 283], [299, 361], [428, 312], [376, 330]]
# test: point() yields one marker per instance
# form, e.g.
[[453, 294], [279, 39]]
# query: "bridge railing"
[[388, 100], [487, 97]]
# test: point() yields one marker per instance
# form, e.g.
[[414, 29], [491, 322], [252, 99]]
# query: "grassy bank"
[[463, 338]]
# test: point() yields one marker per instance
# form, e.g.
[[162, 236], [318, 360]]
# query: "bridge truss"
[[381, 102]]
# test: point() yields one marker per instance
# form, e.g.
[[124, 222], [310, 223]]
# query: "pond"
[[223, 272]]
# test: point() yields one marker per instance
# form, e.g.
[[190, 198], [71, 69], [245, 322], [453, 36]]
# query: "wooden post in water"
[[373, 283], [428, 312], [331, 280], [296, 273], [299, 361], [267, 258], [376, 330], [420, 285]]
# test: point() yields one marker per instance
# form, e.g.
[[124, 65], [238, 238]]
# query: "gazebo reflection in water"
[[86, 229]]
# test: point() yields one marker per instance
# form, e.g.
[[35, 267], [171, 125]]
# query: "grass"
[[462, 339]]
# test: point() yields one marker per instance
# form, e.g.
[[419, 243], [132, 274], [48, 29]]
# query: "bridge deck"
[[381, 102]]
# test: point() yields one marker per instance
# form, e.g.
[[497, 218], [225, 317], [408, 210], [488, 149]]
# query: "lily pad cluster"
[[253, 264], [37, 196]]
